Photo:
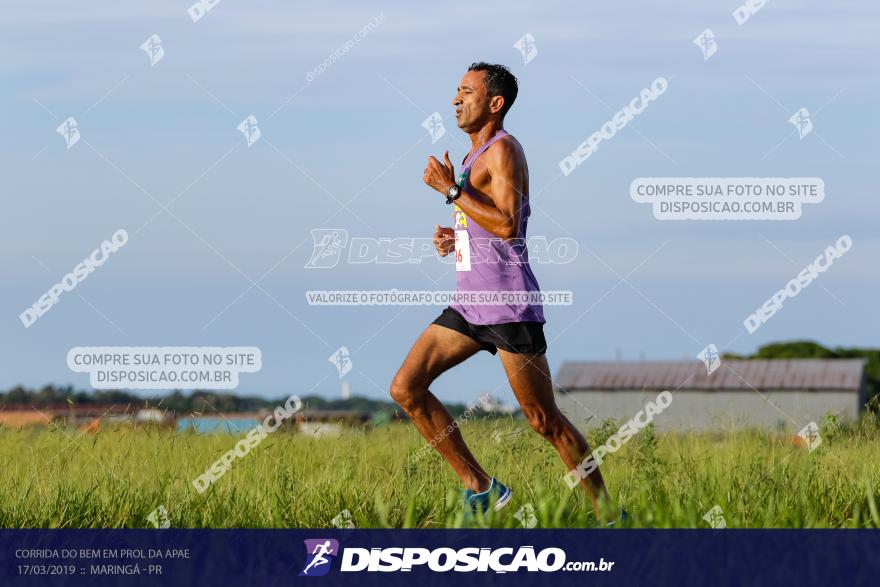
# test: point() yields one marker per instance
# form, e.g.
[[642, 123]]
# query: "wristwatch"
[[453, 193]]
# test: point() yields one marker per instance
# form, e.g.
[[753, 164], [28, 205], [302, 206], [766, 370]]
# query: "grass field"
[[117, 477]]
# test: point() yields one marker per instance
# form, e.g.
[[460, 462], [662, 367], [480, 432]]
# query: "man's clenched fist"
[[439, 176], [444, 240]]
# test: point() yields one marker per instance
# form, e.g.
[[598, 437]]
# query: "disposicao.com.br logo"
[[442, 560]]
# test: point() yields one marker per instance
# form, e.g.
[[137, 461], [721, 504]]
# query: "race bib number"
[[462, 251]]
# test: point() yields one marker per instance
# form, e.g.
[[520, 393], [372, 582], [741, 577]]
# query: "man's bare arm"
[[503, 185], [504, 163]]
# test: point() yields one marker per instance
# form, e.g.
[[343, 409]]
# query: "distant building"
[[153, 416], [21, 417], [775, 394], [329, 423], [88, 417]]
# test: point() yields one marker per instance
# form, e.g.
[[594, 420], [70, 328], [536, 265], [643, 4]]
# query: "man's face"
[[472, 102]]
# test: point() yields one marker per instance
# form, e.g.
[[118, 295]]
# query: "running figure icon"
[[318, 556]]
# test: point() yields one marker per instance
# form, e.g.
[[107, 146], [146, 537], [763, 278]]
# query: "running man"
[[491, 211], [319, 552]]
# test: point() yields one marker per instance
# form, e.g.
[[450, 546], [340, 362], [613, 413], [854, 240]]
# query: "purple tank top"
[[487, 263]]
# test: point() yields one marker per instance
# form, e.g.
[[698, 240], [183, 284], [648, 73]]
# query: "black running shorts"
[[514, 337]]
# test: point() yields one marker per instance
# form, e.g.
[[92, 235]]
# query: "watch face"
[[452, 194]]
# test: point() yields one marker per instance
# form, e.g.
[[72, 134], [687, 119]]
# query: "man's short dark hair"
[[499, 82]]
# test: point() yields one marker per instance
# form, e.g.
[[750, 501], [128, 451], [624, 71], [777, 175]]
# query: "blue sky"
[[156, 133]]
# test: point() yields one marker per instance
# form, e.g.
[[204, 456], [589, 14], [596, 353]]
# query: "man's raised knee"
[[404, 392]]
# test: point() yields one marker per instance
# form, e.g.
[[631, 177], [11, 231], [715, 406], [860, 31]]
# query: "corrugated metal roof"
[[761, 374]]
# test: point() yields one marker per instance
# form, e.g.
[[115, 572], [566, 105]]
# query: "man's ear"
[[496, 103]]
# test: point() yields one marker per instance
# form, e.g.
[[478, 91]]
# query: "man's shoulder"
[[506, 148]]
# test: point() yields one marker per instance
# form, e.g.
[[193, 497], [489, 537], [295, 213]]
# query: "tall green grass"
[[117, 477]]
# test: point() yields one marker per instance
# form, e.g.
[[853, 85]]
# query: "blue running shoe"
[[497, 496]]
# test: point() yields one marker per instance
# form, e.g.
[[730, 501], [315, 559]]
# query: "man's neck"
[[482, 136]]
